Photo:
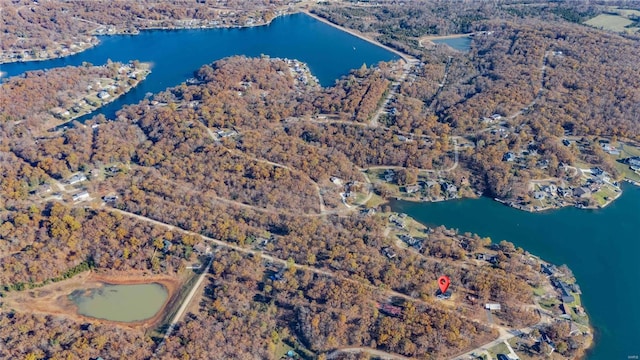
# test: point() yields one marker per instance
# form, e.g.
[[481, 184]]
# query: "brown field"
[[52, 299]]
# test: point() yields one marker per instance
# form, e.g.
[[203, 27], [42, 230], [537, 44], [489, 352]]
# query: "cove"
[[125, 303], [176, 54], [601, 247]]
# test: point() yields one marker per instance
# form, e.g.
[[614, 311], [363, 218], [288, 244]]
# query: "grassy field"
[[499, 349], [605, 194], [617, 23]]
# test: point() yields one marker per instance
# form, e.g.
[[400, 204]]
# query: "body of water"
[[126, 303], [601, 247], [176, 54], [460, 43]]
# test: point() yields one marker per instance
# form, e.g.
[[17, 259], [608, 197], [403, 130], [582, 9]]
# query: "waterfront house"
[[547, 269], [389, 175], [634, 161], [565, 295], [103, 95], [539, 195], [582, 192], [565, 192], [410, 189]]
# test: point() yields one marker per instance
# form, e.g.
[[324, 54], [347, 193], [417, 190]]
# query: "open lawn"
[[499, 349], [604, 195], [610, 22], [549, 304]]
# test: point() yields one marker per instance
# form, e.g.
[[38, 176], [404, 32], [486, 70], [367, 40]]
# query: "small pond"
[[126, 303], [459, 43]]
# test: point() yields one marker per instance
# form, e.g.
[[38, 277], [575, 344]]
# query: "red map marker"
[[443, 282]]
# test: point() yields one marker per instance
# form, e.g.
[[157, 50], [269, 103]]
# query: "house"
[[509, 156], [166, 245], [43, 189], [634, 161], [543, 164], [81, 196], [565, 295], [565, 192], [368, 212], [103, 95], [491, 306], [548, 269], [110, 198], [336, 180], [389, 253], [389, 309], [539, 195], [566, 142], [389, 175], [496, 116], [225, 134], [76, 179], [451, 189], [410, 189], [202, 249], [596, 171], [582, 192]]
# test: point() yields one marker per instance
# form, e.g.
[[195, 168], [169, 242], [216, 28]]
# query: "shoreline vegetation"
[[162, 118], [244, 19]]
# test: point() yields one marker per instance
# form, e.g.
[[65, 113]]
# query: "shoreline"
[[111, 99], [405, 57], [92, 44], [53, 298], [96, 38]]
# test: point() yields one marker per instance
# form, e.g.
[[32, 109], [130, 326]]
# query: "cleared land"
[[610, 22], [53, 298]]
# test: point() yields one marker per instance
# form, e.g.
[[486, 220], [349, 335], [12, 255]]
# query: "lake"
[[126, 303], [462, 43], [601, 247], [176, 54]]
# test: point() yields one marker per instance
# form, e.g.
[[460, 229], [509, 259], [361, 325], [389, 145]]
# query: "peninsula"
[[43, 100]]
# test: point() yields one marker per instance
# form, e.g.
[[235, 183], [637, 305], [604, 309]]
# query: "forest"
[[271, 176], [42, 99], [255, 184]]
